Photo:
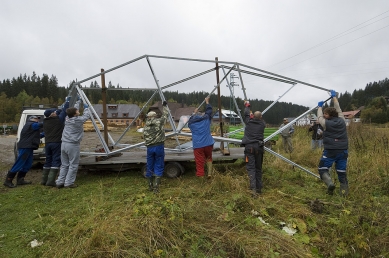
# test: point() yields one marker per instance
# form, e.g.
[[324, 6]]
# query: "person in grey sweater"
[[70, 149]]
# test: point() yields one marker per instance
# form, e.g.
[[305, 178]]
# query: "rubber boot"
[[343, 190], [328, 181], [8, 180], [151, 187], [51, 177], [209, 169], [45, 174], [21, 180], [157, 183]]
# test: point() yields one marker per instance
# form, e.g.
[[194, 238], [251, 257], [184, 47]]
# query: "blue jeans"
[[53, 155], [155, 160], [24, 161]]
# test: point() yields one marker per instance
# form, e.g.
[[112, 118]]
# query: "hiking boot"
[[59, 186], [8, 180]]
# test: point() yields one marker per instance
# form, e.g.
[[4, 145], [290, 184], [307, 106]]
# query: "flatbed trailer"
[[174, 161]]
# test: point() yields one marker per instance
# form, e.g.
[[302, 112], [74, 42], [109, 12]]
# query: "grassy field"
[[113, 215]]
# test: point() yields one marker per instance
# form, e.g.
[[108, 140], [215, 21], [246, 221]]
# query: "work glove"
[[85, 105], [68, 99], [320, 104], [164, 103], [333, 93], [247, 103]]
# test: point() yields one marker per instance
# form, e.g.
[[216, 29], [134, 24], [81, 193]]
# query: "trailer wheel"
[[173, 169]]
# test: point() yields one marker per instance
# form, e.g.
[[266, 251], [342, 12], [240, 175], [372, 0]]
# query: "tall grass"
[[113, 214]]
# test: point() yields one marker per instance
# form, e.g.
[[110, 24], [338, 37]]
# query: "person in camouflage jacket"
[[154, 136]]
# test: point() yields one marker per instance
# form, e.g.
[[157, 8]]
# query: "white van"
[[39, 154]]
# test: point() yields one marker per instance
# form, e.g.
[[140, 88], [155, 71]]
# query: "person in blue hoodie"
[[200, 126], [70, 149], [29, 141]]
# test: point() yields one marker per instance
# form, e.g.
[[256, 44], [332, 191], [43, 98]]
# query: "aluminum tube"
[[136, 117], [172, 124], [233, 96], [86, 100], [110, 70], [272, 104], [187, 79], [288, 125], [191, 59], [150, 89], [241, 82], [286, 78], [94, 112], [263, 76], [291, 162]]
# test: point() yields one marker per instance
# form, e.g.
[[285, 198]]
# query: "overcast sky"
[[334, 44]]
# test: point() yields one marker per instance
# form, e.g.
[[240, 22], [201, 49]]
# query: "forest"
[[34, 90]]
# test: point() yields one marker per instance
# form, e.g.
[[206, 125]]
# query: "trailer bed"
[[137, 159]]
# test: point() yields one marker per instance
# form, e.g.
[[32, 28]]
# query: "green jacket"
[[153, 132]]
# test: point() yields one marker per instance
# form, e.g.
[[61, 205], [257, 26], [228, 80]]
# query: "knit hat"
[[48, 112]]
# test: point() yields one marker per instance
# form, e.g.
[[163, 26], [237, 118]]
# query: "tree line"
[[33, 90]]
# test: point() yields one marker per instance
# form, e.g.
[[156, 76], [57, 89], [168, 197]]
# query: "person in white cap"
[[154, 135], [29, 141]]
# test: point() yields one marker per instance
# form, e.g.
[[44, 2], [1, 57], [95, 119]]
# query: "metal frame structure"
[[76, 89]]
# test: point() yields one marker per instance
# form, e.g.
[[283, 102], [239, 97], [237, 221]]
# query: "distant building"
[[228, 116], [118, 113], [352, 116], [176, 109]]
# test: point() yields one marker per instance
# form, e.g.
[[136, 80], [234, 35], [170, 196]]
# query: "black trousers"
[[254, 159]]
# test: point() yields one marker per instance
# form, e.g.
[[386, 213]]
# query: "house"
[[228, 116], [176, 109], [118, 113], [352, 116]]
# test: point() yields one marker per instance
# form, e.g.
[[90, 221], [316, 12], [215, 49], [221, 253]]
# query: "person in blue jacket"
[[200, 126], [29, 141]]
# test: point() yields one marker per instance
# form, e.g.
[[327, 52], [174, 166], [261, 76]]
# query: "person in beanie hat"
[[154, 135], [53, 125], [335, 143], [29, 141]]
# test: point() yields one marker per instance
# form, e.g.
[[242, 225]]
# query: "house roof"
[[349, 114], [185, 111], [131, 109]]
